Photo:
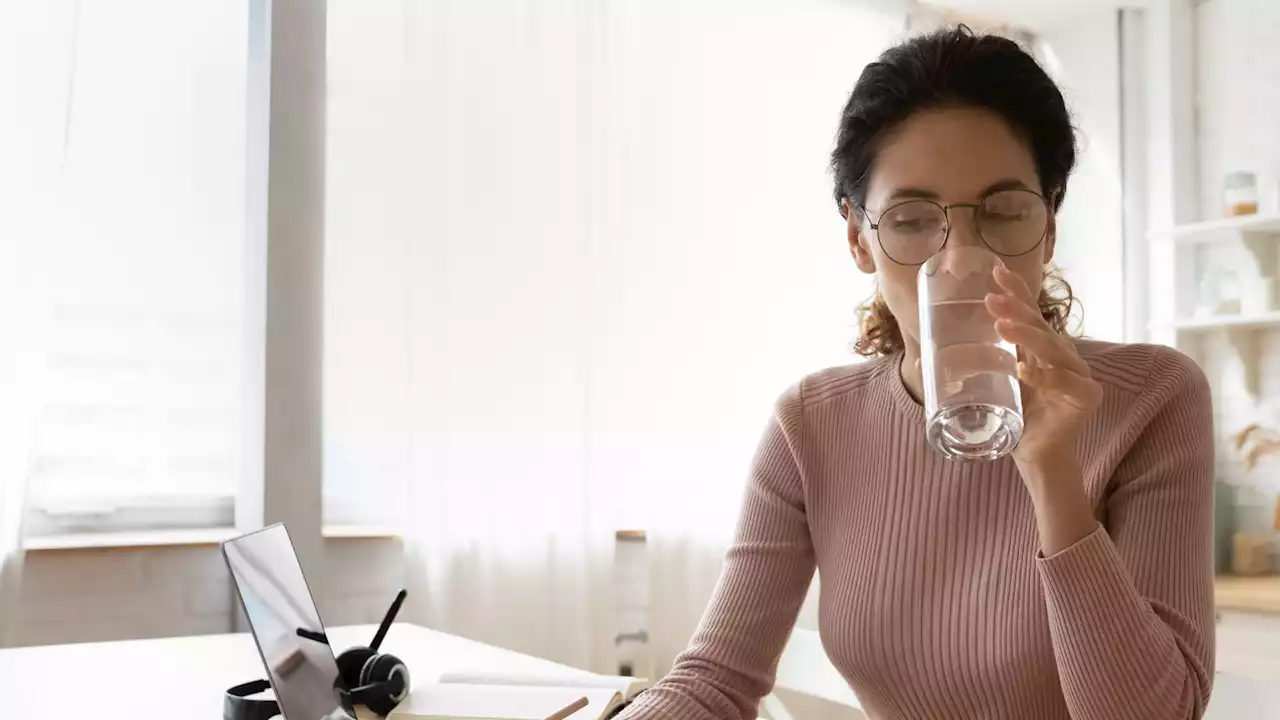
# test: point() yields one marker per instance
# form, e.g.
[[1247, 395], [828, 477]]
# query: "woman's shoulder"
[[1156, 414], [834, 383], [1139, 368], [1145, 384]]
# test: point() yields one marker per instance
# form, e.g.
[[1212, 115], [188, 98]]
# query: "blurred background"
[[491, 299]]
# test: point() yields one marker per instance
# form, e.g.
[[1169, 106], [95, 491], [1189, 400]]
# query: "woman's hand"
[[1058, 393], [1058, 397]]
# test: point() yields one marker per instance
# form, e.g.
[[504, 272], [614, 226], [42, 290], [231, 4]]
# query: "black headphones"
[[379, 681], [237, 705]]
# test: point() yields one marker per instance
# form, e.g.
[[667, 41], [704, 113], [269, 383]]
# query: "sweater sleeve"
[[732, 659], [1130, 607]]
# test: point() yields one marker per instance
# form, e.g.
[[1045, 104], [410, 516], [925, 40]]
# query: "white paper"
[[490, 702], [585, 681]]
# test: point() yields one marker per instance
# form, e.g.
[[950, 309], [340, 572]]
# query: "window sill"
[[140, 539], [205, 537], [202, 537], [361, 532]]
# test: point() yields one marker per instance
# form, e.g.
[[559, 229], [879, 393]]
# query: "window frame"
[[281, 476]]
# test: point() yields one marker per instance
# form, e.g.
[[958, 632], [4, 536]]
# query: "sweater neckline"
[[891, 375]]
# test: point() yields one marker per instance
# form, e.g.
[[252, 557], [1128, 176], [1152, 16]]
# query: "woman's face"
[[954, 155]]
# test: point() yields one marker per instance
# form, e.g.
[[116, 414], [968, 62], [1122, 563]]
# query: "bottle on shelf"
[[1219, 292], [1240, 194]]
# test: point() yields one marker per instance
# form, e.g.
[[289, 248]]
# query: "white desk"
[[184, 678], [1236, 697]]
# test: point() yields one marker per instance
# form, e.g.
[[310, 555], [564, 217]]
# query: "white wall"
[[91, 595], [1237, 76], [1083, 55]]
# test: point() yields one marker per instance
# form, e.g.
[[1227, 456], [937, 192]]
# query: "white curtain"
[[22, 364], [19, 372], [35, 65], [461, 224], [576, 250], [741, 104], [513, 545]]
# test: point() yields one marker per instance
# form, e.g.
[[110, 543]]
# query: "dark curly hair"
[[953, 67]]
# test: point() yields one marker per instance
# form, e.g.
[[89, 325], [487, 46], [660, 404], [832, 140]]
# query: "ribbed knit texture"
[[935, 599]]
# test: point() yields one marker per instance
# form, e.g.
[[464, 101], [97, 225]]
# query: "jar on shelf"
[[1230, 294], [1240, 194], [1210, 289], [1218, 292]]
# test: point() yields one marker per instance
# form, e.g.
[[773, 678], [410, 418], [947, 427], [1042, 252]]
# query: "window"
[[130, 180]]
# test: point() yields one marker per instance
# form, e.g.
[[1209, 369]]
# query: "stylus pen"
[[313, 636], [386, 621]]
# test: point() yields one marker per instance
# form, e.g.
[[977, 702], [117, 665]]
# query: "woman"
[[1072, 579]]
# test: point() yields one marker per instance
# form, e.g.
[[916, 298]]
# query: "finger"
[[1081, 392], [1007, 305], [1032, 342], [1044, 345], [969, 359], [1013, 282]]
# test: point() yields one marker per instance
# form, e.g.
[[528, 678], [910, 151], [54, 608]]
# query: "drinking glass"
[[972, 398]]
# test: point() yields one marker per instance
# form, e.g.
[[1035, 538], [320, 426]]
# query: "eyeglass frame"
[[946, 214]]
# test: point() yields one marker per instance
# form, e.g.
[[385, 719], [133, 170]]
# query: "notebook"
[[626, 687], [467, 695]]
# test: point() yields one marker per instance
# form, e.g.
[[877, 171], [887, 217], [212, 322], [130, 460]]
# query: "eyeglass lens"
[[1010, 222]]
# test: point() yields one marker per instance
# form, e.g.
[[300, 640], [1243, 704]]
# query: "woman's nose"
[[962, 229]]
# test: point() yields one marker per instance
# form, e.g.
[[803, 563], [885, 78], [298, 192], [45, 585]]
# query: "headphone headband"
[[237, 705]]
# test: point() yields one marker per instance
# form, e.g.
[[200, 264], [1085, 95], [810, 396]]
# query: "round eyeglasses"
[[1009, 222]]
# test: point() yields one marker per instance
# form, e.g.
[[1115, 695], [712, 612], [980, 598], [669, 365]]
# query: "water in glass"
[[973, 401]]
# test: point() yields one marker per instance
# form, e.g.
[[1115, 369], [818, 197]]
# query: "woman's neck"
[[912, 378]]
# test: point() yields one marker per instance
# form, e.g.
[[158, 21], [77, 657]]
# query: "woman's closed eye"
[[1005, 215], [914, 225]]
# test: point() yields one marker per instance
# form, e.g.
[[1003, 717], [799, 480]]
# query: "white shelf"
[[1271, 319], [1216, 230]]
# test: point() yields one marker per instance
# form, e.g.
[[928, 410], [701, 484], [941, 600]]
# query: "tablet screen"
[[285, 624]]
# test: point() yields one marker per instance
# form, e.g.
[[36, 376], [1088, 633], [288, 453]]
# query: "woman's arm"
[[1130, 607], [731, 660]]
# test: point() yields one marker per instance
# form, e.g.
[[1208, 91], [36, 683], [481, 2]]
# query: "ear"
[[858, 240]]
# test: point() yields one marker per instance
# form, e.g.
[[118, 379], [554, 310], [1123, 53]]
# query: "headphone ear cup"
[[385, 669], [351, 666]]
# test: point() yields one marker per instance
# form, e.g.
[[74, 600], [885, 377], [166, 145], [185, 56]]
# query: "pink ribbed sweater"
[[935, 599]]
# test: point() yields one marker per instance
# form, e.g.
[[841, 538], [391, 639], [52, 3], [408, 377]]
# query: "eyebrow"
[[915, 193], [1006, 184], [910, 193]]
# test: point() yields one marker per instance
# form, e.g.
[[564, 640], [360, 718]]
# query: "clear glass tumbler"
[[972, 398]]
